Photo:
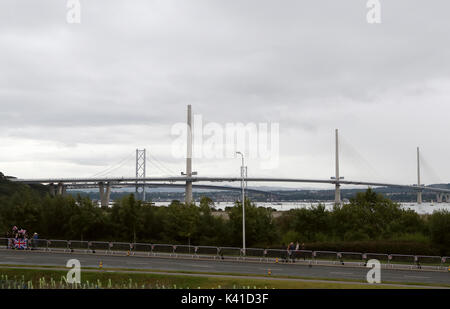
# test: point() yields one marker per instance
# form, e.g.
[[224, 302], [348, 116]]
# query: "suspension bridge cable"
[[162, 172], [112, 166], [119, 166], [155, 166], [162, 165]]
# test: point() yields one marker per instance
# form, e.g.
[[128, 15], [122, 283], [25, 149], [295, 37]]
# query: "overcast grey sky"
[[77, 98]]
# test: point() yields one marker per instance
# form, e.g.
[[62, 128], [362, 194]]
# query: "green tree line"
[[369, 222]]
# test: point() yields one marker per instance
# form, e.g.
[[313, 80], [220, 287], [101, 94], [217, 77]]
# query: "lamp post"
[[243, 201]]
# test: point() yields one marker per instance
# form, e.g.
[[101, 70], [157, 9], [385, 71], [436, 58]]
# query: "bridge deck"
[[150, 180]]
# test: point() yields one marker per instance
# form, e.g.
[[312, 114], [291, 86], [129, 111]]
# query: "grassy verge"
[[49, 278]]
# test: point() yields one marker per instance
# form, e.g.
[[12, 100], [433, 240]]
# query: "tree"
[[368, 216], [127, 219], [182, 222], [88, 221], [439, 225], [259, 227]]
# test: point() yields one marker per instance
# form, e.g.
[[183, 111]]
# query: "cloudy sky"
[[77, 99]]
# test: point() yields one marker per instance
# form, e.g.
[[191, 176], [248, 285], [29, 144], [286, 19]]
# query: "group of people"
[[18, 239], [293, 251]]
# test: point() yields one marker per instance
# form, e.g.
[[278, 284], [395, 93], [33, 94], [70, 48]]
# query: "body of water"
[[424, 208]]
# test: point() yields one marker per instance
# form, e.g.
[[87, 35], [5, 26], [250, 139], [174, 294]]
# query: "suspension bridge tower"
[[140, 173]]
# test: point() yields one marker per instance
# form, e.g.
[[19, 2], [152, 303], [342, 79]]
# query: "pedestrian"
[[14, 233], [10, 240], [288, 253], [290, 250], [35, 240]]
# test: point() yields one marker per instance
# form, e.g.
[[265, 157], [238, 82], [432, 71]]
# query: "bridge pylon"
[[337, 191], [419, 193], [189, 173], [140, 173]]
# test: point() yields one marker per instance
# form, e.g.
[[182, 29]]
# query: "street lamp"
[[243, 201]]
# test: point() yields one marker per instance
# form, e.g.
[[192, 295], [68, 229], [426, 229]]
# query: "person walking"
[[290, 251], [35, 240]]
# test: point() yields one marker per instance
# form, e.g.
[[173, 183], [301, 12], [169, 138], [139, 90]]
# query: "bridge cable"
[[163, 173], [429, 171], [356, 158], [111, 167], [162, 166]]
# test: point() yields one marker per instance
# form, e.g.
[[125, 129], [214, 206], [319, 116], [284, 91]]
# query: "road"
[[337, 272]]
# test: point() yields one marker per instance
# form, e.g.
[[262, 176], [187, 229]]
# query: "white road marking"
[[417, 277], [340, 273], [206, 266]]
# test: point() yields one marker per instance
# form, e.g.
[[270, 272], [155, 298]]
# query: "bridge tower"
[[188, 191], [105, 193], [140, 173], [419, 193], [337, 192]]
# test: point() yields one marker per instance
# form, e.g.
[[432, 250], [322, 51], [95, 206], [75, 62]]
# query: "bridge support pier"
[[105, 194], [446, 197], [439, 197], [337, 194], [52, 189], [61, 189], [419, 197]]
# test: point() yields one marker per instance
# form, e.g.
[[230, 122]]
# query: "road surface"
[[338, 272]]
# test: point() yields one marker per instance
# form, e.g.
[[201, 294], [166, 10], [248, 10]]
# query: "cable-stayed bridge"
[[188, 180], [59, 185]]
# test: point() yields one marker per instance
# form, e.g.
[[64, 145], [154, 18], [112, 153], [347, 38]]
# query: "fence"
[[231, 253]]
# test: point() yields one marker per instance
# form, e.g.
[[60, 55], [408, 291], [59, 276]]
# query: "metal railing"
[[231, 253]]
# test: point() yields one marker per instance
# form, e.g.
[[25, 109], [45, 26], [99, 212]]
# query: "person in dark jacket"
[[35, 240], [290, 251]]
